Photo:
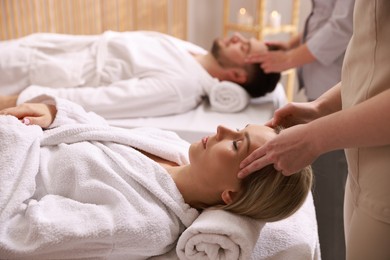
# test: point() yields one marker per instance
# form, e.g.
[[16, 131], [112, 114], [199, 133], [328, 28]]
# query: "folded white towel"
[[227, 97], [218, 234]]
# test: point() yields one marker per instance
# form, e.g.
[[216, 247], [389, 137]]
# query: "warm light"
[[274, 14], [275, 19], [244, 18]]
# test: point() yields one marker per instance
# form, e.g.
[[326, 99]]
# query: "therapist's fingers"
[[257, 58], [270, 62], [253, 162], [282, 117], [295, 113], [279, 119], [273, 46]]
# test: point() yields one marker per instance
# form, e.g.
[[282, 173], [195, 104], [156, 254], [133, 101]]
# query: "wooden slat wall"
[[22, 17]]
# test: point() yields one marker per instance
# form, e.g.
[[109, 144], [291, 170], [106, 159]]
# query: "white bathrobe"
[[80, 190], [117, 75]]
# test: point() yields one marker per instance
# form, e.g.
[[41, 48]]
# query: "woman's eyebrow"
[[248, 141]]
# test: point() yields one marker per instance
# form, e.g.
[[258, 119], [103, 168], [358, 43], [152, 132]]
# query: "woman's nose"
[[222, 132], [219, 134]]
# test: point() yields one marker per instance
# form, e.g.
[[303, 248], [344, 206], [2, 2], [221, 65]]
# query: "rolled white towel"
[[218, 234], [228, 97]]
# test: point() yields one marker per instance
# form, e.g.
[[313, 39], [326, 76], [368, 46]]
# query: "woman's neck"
[[192, 192], [180, 175]]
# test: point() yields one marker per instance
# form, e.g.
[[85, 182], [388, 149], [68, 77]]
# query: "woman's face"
[[215, 159]]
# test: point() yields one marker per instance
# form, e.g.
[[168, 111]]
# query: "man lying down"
[[73, 187], [127, 74]]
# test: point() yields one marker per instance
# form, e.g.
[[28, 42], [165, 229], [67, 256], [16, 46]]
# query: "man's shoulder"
[[181, 43]]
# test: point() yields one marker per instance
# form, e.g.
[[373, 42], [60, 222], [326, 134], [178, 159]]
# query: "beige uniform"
[[366, 73]]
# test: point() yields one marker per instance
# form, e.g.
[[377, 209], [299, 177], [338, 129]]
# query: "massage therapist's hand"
[[290, 115], [295, 113], [278, 45], [272, 61], [33, 113], [290, 151]]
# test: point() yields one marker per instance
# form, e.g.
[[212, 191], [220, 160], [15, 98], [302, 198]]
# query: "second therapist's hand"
[[272, 61], [33, 113], [290, 151]]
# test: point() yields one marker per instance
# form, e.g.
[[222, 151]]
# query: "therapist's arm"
[[331, 40], [278, 61], [363, 125], [325, 46], [303, 112]]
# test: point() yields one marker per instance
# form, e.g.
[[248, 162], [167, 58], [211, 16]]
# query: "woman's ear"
[[237, 75], [228, 196]]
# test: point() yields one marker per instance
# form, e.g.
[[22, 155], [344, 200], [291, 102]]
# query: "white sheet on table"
[[203, 121]]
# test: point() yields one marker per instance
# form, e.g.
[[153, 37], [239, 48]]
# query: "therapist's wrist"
[[294, 42], [292, 59], [316, 139], [329, 102], [300, 56]]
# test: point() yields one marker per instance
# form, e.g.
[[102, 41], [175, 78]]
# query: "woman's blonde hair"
[[269, 195]]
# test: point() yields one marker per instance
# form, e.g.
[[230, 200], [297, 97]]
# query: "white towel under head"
[[227, 97], [218, 234]]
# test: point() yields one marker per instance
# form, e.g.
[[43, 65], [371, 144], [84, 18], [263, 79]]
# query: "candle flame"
[[242, 10], [275, 14]]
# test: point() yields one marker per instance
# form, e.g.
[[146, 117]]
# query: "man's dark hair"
[[260, 83]]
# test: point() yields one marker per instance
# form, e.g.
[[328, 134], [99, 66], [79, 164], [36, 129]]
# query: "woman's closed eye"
[[236, 144]]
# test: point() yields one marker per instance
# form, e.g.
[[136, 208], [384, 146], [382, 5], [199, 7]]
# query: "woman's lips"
[[204, 141]]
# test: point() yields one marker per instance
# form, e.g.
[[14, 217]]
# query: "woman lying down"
[[80, 188]]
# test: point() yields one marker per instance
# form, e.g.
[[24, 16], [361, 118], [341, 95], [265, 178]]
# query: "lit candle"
[[275, 19], [244, 18]]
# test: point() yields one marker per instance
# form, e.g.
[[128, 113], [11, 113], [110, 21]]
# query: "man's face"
[[232, 51]]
